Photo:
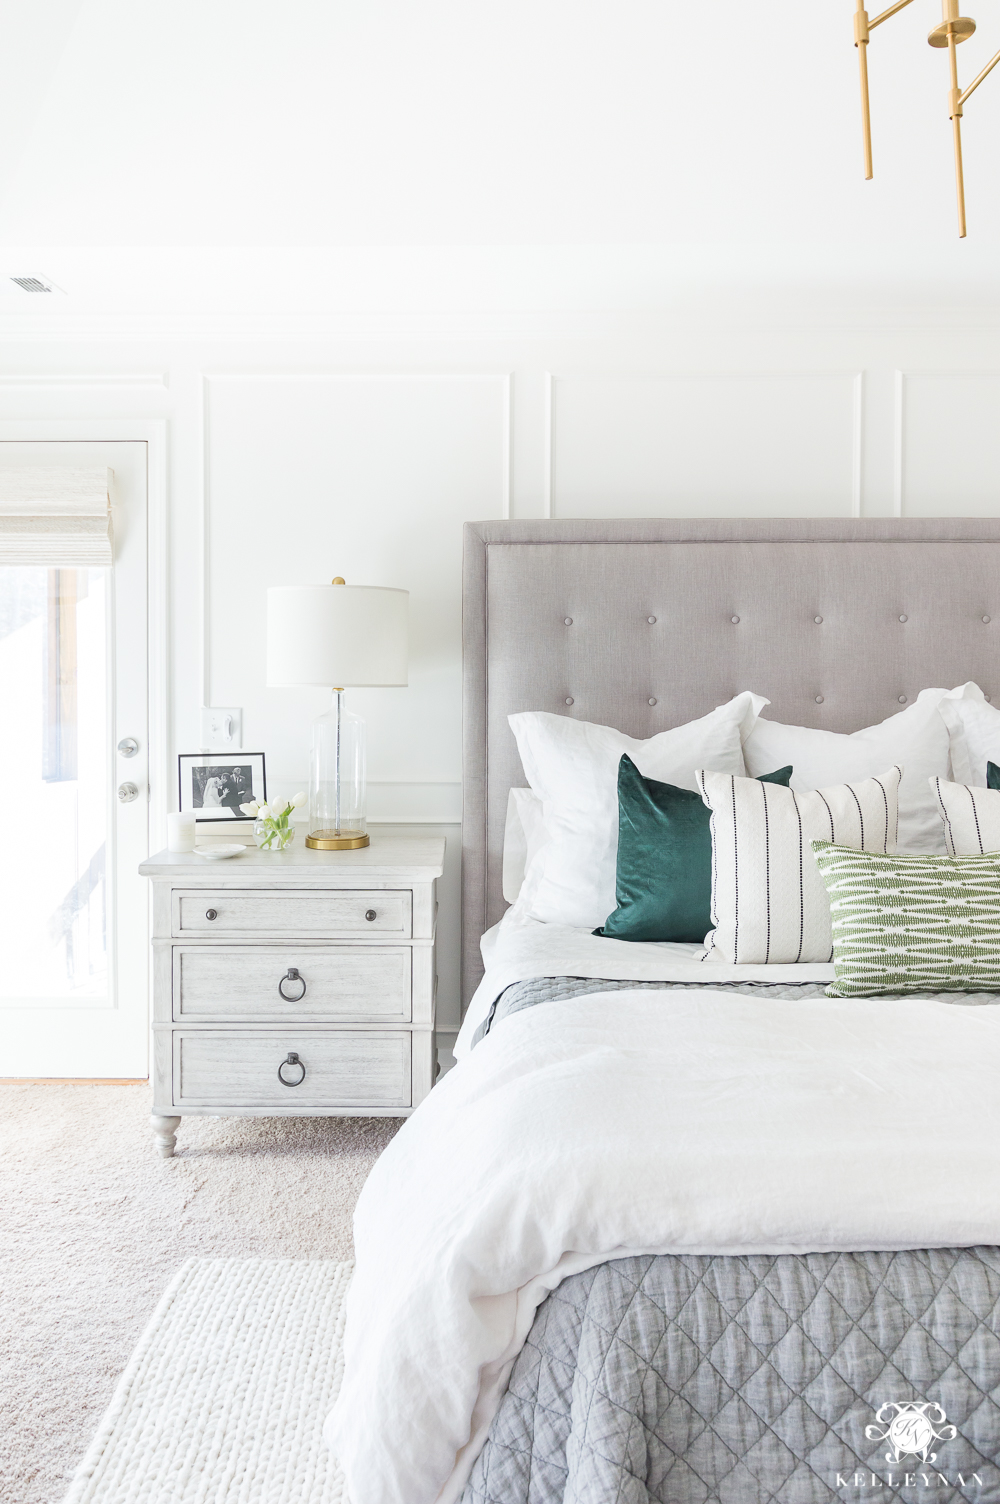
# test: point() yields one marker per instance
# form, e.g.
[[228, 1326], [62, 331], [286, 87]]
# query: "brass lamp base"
[[325, 840]]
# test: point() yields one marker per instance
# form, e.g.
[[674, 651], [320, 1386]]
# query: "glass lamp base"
[[337, 781], [326, 840]]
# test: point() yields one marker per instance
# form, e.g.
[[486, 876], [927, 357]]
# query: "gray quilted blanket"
[[792, 1379], [756, 1380]]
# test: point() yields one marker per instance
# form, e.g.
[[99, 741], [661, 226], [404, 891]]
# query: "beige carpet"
[[93, 1224]]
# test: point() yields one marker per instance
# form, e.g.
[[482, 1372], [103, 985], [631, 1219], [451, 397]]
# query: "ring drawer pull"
[[292, 975], [211, 913], [291, 1059], [370, 914]]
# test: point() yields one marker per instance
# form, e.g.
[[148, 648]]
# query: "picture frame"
[[213, 785]]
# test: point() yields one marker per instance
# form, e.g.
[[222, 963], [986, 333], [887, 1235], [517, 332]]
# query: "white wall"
[[319, 122], [361, 452]]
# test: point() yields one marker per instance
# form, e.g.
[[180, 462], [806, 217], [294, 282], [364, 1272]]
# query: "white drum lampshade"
[[338, 636]]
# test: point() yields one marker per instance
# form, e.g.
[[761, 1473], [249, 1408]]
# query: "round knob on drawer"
[[292, 975], [211, 913], [293, 1060], [370, 914]]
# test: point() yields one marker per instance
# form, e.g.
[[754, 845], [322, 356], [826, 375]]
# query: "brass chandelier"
[[953, 29]]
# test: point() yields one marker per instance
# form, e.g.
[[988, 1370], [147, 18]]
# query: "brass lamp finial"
[[338, 579]]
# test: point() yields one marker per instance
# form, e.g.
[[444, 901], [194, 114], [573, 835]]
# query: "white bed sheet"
[[517, 950], [608, 1125]]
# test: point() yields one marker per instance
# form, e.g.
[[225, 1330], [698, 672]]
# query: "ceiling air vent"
[[32, 284]]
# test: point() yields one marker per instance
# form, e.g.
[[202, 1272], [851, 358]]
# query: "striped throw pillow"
[[971, 817], [769, 904], [910, 923]]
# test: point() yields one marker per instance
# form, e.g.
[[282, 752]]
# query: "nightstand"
[[293, 983]]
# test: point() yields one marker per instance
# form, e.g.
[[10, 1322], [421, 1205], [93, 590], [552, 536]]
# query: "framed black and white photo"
[[212, 785]]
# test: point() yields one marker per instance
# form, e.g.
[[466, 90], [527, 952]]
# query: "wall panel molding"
[[371, 474], [899, 458], [858, 445], [946, 459], [723, 442], [216, 375]]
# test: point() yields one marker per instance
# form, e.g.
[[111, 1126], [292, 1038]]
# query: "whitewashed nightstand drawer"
[[233, 1068], [308, 983], [320, 915]]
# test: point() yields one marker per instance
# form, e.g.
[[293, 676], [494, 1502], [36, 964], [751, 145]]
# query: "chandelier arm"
[[862, 28], [979, 78], [900, 5], [866, 116], [956, 126]]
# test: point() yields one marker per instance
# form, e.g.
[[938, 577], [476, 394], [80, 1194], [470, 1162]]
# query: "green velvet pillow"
[[664, 880], [992, 776]]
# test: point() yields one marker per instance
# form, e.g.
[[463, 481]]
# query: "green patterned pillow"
[[910, 923]]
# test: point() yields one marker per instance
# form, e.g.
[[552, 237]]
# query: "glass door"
[[73, 911]]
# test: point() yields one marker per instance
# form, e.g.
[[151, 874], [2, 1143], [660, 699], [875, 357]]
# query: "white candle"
[[180, 832]]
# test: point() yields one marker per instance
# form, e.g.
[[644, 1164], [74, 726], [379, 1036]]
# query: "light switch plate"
[[221, 728]]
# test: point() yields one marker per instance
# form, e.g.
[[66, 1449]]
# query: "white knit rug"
[[224, 1399]]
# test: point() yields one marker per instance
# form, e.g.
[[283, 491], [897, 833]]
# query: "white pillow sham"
[[917, 739], [523, 833], [769, 903], [971, 817], [974, 735], [573, 768]]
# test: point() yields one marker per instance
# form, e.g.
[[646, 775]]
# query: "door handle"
[[127, 792]]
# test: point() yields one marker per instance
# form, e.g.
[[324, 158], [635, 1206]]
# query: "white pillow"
[[913, 739], [971, 817], [769, 903], [573, 768], [974, 732], [523, 833]]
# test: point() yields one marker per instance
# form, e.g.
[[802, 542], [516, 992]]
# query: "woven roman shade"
[[59, 518]]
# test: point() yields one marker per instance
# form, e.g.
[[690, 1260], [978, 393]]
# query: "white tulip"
[[298, 800], [278, 807], [264, 811], [250, 809]]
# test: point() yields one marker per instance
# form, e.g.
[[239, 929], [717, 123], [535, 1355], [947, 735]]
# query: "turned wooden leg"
[[165, 1133]]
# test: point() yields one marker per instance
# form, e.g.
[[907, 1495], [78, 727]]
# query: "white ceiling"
[[657, 143]]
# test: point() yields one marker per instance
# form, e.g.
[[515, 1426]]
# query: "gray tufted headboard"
[[643, 624]]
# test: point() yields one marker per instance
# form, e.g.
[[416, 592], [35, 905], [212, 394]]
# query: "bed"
[[671, 1232]]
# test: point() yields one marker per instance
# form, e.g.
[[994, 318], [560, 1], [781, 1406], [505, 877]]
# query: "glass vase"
[[270, 837]]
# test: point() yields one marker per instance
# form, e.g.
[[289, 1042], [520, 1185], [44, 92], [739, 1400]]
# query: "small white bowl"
[[218, 853]]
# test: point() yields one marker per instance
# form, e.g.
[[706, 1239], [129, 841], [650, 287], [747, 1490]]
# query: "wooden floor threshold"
[[74, 1080]]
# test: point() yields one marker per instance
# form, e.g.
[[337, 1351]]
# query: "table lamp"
[[339, 636]]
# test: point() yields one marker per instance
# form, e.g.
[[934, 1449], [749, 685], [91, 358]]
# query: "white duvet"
[[629, 1122]]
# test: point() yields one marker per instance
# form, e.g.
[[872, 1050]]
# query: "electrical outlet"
[[221, 728]]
